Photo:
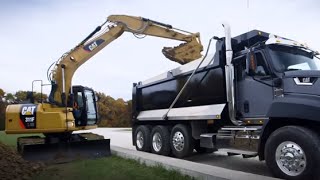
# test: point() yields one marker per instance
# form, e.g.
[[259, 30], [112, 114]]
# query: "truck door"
[[253, 85]]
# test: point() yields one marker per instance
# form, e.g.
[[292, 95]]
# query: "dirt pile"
[[12, 166]]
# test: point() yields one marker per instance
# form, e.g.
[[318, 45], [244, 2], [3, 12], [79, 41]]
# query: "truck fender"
[[290, 109]]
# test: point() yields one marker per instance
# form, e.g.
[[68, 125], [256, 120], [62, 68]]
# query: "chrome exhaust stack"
[[229, 73]]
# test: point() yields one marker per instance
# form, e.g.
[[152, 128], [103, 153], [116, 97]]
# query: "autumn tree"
[[113, 113], [2, 93]]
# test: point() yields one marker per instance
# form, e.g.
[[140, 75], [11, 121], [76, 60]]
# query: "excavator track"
[[54, 150]]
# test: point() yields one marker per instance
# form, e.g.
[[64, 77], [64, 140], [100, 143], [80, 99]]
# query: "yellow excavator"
[[72, 108]]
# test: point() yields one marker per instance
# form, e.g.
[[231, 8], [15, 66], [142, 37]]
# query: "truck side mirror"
[[251, 63]]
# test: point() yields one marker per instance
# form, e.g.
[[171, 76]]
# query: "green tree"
[[22, 96], [40, 97], [9, 97]]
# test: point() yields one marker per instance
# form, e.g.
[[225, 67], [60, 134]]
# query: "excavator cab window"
[[78, 107], [84, 108], [91, 107]]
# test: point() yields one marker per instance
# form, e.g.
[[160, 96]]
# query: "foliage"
[[1, 93], [10, 97], [21, 96], [113, 113], [3, 106]]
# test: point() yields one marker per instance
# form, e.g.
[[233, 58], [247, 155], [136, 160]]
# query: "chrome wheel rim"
[[178, 141], [156, 142], [291, 158], [139, 140]]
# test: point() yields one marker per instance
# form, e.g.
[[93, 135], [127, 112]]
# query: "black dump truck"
[[258, 95]]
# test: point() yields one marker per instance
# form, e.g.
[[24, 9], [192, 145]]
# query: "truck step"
[[238, 138], [241, 128], [244, 153]]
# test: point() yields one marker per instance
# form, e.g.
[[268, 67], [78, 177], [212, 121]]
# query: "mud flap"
[[66, 151]]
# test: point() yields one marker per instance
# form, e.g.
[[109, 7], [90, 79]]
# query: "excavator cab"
[[68, 146], [84, 106]]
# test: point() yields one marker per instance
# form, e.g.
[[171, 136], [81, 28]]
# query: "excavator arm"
[[65, 67]]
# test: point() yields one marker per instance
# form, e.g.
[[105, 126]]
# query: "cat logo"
[[93, 45], [28, 116], [28, 110]]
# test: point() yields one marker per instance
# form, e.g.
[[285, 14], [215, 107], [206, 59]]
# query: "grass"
[[108, 168], [115, 168], [11, 139]]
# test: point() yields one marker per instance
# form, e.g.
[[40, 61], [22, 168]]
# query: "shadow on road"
[[221, 159]]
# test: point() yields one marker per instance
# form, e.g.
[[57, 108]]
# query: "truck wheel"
[[292, 152], [142, 137], [160, 137], [181, 141]]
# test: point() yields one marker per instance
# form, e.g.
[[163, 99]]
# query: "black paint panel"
[[203, 89], [298, 106]]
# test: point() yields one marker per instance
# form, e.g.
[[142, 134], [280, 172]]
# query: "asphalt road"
[[122, 137]]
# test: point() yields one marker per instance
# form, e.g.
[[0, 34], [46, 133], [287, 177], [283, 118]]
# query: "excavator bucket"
[[34, 149], [184, 53]]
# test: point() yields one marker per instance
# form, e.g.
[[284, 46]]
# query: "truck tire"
[[293, 153], [160, 138], [181, 141], [142, 138]]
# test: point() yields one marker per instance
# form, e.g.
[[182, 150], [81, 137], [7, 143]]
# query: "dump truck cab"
[[280, 69]]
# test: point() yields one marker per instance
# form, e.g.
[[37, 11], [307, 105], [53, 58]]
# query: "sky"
[[35, 33]]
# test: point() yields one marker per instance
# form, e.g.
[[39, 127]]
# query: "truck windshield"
[[286, 58]]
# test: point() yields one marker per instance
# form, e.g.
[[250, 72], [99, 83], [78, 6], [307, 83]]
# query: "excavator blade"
[[184, 53], [62, 152]]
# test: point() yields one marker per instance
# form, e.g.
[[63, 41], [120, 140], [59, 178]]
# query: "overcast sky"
[[34, 33]]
